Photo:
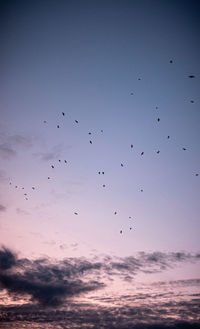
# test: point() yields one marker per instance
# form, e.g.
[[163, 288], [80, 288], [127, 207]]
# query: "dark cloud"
[[52, 283], [2, 208]]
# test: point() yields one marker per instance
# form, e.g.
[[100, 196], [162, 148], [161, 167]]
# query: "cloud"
[[51, 283], [9, 145], [53, 154], [2, 208]]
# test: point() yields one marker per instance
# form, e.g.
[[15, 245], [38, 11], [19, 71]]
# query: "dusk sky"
[[99, 164]]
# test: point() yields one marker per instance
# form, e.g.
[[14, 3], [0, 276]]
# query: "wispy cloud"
[[10, 144], [2, 208]]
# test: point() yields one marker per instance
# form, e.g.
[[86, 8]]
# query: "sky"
[[99, 164]]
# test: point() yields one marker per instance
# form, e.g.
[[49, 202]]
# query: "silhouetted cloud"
[[51, 283]]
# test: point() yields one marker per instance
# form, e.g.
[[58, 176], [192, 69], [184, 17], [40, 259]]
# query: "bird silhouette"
[[171, 61], [48, 177], [76, 121], [131, 145], [101, 131], [196, 174], [115, 213], [168, 137], [158, 152], [121, 232], [131, 94], [191, 76], [65, 161], [192, 101], [130, 228], [89, 133], [158, 119], [156, 107], [130, 217], [75, 213], [58, 126], [104, 185], [122, 165], [184, 149], [142, 153], [52, 166], [59, 160], [90, 142], [63, 113], [103, 172], [99, 172], [141, 190], [33, 188], [44, 121]]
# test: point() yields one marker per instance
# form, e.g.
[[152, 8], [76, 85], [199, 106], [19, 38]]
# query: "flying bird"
[[44, 121], [76, 121], [131, 145], [168, 137], [99, 172], [52, 166], [131, 94], [130, 217], [90, 142], [75, 213], [158, 119], [122, 165], [196, 174], [33, 188], [191, 76], [171, 61], [101, 131], [103, 172], [158, 152], [89, 133], [65, 161], [59, 160], [63, 113], [104, 185], [58, 126], [184, 149], [115, 213], [121, 232], [130, 228], [142, 153], [156, 107], [48, 177], [191, 101], [141, 190]]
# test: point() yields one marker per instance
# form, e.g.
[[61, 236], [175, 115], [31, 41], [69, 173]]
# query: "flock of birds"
[[90, 141]]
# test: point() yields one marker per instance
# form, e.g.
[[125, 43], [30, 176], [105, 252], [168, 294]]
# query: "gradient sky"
[[107, 65]]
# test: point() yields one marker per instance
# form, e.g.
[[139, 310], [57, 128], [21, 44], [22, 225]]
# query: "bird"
[[99, 172], [59, 160], [158, 152], [191, 101], [89, 133], [184, 149], [121, 232], [131, 145], [26, 198], [171, 61], [139, 78], [156, 107], [130, 217], [75, 213], [48, 177], [33, 188], [44, 121], [90, 142], [104, 185], [142, 153], [141, 190], [158, 119], [130, 228], [16, 186], [131, 94], [122, 165], [25, 193], [58, 126], [10, 183], [22, 188], [191, 76], [103, 172], [115, 213], [101, 131], [63, 113], [168, 137], [52, 166], [65, 161], [196, 174], [76, 121]]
